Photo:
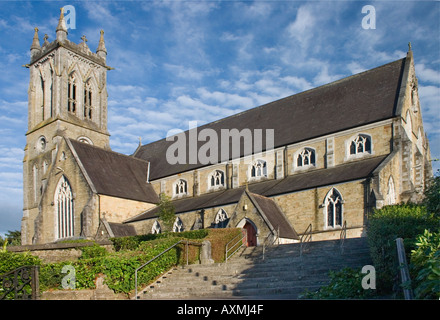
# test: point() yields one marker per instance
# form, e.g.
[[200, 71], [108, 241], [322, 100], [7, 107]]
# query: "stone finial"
[[45, 40], [409, 46], [61, 28], [36, 41], [101, 51]]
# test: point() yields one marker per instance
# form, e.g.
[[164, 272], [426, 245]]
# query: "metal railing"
[[271, 239], [187, 242], [404, 273], [235, 244], [17, 283], [342, 237], [305, 239]]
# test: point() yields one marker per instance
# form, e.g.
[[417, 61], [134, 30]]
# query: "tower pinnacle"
[[101, 51], [35, 47], [61, 28]]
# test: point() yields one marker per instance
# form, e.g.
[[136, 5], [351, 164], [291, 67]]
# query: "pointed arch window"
[[333, 209], [259, 169], [390, 198], [306, 158], [71, 93], [88, 100], [178, 225], [180, 187], [221, 219], [217, 179], [156, 229], [64, 208], [360, 145]]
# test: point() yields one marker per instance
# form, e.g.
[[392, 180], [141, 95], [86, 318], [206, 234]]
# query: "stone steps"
[[283, 274]]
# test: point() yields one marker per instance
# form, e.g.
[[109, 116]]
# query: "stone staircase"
[[283, 274]]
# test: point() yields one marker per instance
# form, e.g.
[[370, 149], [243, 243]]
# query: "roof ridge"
[[107, 150]]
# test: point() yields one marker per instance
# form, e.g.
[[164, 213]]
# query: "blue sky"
[[180, 61]]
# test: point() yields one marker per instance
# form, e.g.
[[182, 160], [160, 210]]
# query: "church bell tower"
[[67, 99]]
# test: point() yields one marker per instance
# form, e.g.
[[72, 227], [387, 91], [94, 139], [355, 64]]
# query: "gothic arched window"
[[333, 208], [361, 144], [156, 229], [306, 157], [391, 192], [180, 187], [71, 93], [217, 179], [178, 225], [221, 219], [65, 209], [87, 100], [259, 169]]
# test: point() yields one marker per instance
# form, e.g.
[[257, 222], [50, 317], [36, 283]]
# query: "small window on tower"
[[71, 94], [88, 101]]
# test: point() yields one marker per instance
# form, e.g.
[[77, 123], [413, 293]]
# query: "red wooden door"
[[251, 234]]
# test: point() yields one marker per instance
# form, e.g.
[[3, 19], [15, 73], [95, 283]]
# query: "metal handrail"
[[404, 272], [240, 240], [305, 239], [342, 237], [163, 252], [277, 237]]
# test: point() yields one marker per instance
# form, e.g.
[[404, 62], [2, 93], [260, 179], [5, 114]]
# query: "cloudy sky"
[[180, 61]]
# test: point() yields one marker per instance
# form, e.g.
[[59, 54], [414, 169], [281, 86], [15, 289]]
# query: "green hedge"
[[405, 221], [133, 242]]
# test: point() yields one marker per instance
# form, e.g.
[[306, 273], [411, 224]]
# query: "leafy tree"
[[432, 196], [12, 238], [166, 212]]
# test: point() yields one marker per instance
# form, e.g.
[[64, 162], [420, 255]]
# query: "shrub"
[[344, 284], [405, 221], [133, 242], [11, 260], [425, 266]]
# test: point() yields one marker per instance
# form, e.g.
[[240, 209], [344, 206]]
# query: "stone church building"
[[338, 151]]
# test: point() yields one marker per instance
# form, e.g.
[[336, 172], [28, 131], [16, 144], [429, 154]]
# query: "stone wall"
[[58, 252]]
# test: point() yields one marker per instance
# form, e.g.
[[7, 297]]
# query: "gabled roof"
[[354, 101], [270, 210], [312, 179], [114, 174]]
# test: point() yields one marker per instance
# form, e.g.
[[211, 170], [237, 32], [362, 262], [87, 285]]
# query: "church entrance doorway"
[[251, 234]]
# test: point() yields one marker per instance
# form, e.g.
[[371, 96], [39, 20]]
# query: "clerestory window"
[[217, 179], [360, 145], [180, 187], [306, 158], [259, 169]]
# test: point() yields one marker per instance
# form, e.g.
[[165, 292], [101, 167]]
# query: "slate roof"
[[354, 101], [115, 174], [312, 179], [276, 217]]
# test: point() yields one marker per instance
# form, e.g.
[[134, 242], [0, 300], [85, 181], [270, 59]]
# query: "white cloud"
[[426, 74]]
